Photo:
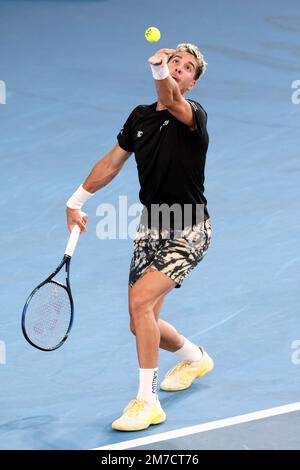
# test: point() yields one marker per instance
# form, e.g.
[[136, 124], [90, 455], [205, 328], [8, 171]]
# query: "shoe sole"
[[209, 368], [159, 420]]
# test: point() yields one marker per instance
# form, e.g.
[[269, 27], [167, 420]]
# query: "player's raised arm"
[[175, 73], [166, 86]]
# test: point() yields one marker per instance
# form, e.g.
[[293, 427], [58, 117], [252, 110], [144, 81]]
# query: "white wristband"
[[160, 72], [78, 198]]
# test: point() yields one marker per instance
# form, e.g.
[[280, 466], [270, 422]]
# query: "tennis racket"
[[48, 312]]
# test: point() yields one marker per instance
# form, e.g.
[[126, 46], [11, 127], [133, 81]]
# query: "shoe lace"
[[134, 407], [178, 367]]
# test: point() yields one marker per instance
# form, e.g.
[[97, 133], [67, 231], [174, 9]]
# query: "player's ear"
[[192, 84]]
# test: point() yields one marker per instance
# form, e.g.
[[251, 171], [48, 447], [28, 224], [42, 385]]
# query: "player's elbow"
[[166, 101], [117, 157]]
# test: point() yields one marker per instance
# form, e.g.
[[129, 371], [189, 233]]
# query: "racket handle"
[[72, 241]]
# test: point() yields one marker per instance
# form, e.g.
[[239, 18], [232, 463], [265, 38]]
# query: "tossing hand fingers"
[[161, 56]]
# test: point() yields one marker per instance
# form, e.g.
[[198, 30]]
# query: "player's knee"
[[139, 306]]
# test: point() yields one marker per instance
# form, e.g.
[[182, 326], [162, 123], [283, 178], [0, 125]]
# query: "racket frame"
[[65, 262]]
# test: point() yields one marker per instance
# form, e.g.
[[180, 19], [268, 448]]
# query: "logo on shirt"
[[164, 124], [139, 134], [194, 105]]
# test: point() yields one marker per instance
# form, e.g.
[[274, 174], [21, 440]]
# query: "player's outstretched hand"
[[161, 57]]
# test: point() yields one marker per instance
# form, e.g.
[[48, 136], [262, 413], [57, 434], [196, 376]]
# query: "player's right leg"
[[145, 409]]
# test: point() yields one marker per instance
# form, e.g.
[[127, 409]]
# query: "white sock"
[[189, 352], [148, 385]]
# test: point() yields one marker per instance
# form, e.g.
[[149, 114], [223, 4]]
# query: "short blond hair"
[[194, 50]]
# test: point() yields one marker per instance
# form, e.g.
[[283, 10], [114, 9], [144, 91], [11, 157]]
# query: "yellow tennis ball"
[[152, 34]]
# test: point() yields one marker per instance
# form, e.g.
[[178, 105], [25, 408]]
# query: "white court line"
[[221, 423]]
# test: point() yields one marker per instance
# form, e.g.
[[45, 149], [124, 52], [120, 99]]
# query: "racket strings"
[[48, 315]]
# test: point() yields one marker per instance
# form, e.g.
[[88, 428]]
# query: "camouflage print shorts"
[[175, 257]]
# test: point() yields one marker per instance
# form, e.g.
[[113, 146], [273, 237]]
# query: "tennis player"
[[169, 139]]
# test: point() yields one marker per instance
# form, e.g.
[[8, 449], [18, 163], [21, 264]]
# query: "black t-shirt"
[[170, 157]]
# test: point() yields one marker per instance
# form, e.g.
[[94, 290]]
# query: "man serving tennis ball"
[[169, 140]]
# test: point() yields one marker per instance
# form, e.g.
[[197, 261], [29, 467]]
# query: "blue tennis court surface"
[[73, 71]]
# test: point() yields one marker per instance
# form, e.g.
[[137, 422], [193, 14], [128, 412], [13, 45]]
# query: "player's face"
[[182, 68]]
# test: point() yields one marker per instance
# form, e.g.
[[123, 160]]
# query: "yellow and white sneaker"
[[138, 415], [183, 374]]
